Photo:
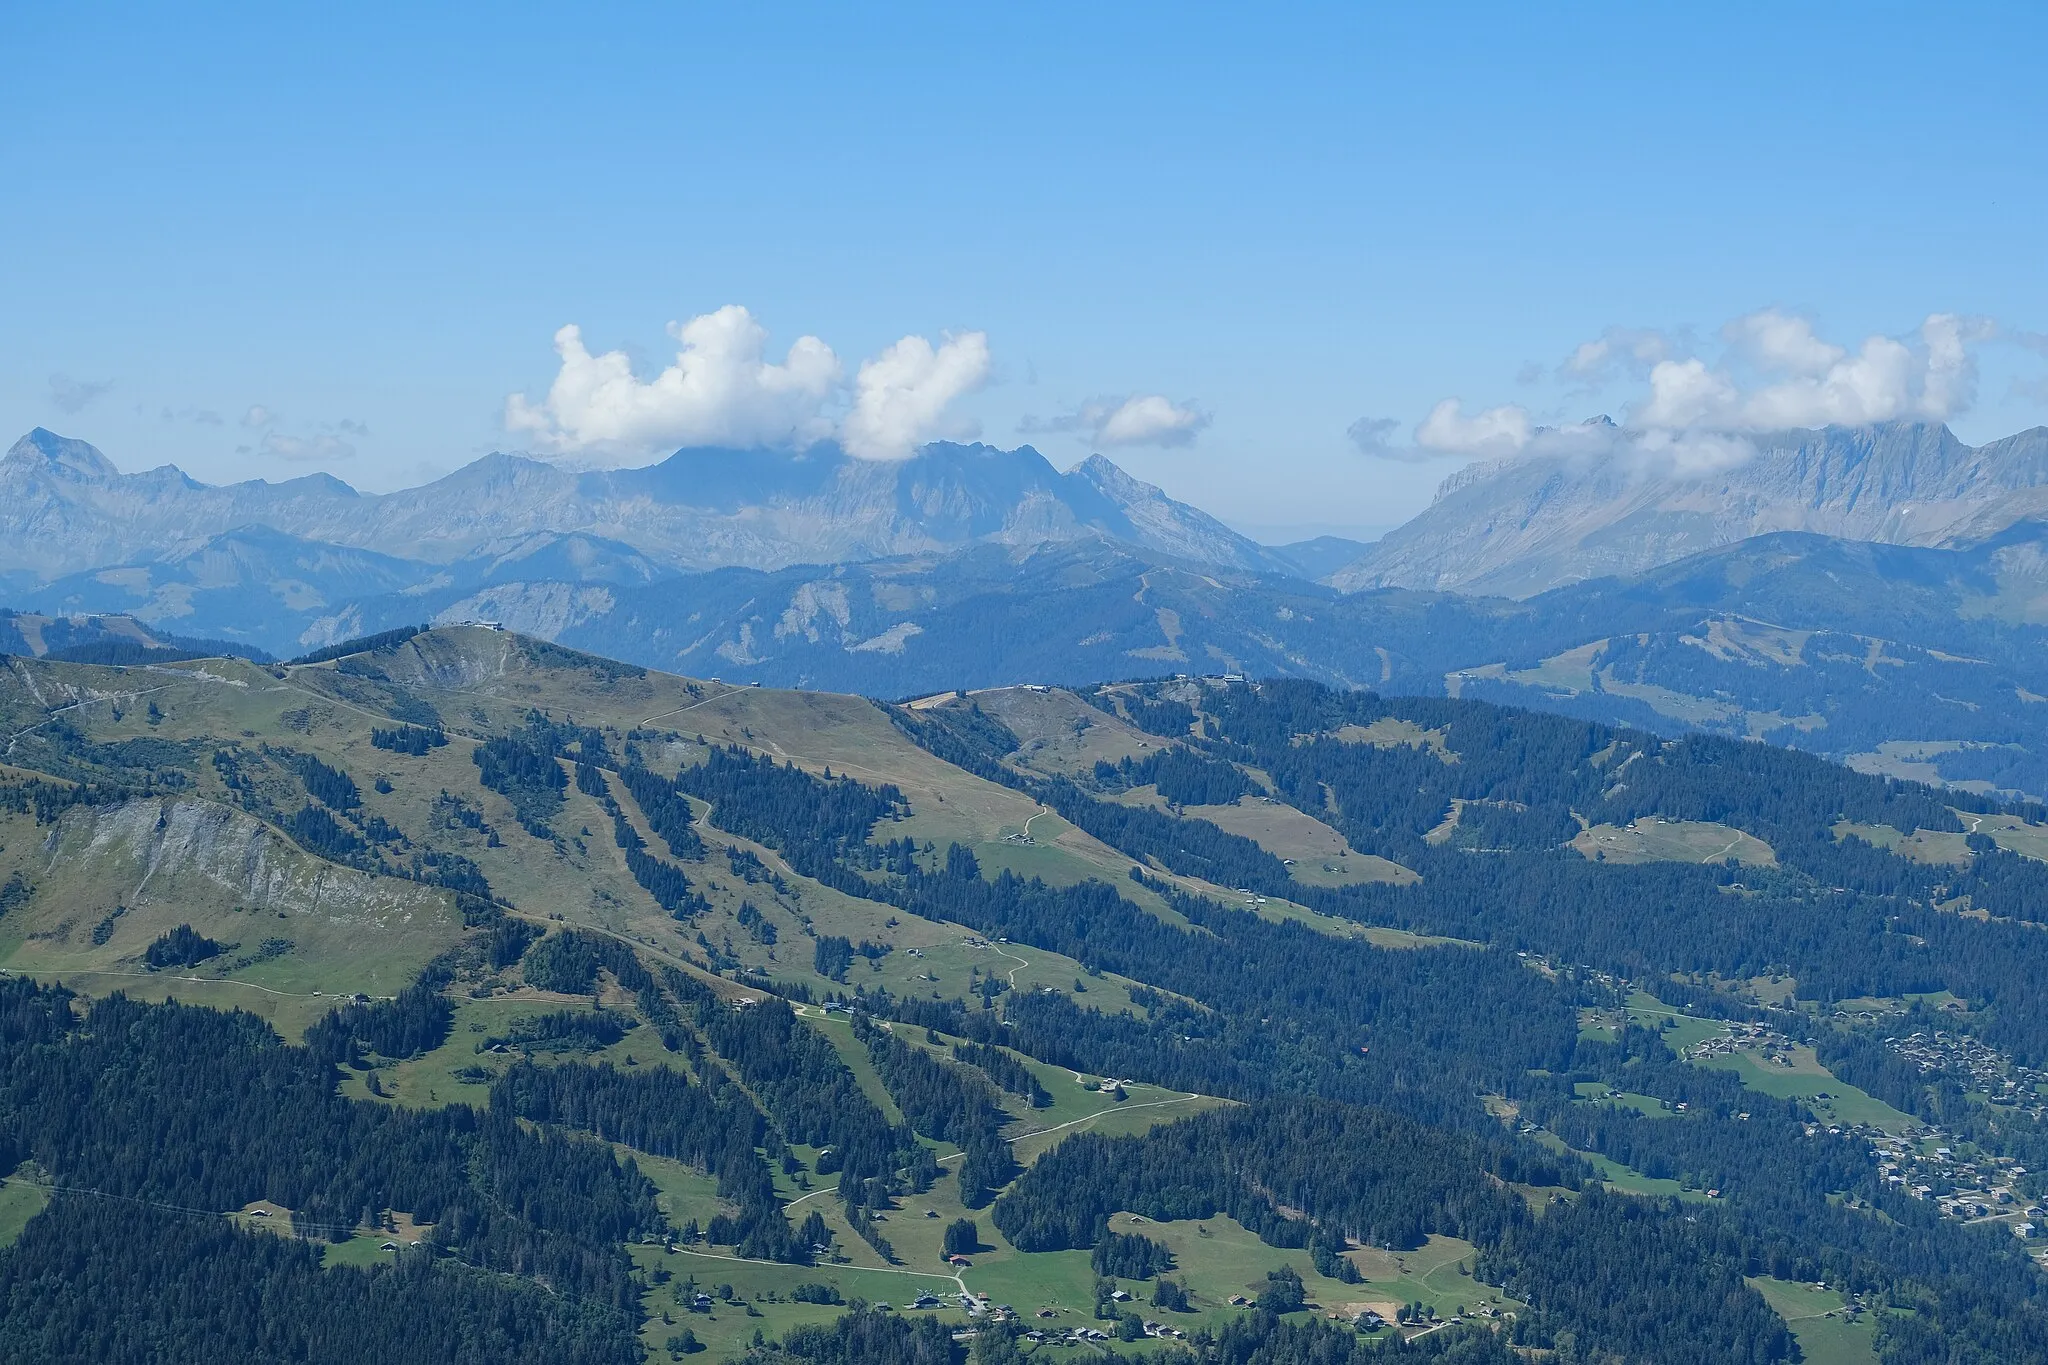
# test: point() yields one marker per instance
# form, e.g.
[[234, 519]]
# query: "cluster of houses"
[[1761, 1041], [1924, 1161], [1088, 1336], [1978, 1067]]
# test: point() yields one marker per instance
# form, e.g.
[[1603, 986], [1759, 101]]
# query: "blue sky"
[[254, 242]]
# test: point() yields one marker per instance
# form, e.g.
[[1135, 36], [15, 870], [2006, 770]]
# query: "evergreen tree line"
[[1185, 777], [1352, 1173], [1129, 1256], [565, 1031], [832, 955], [417, 1021], [668, 813], [412, 740], [527, 776], [569, 960], [946, 1103], [670, 887], [314, 830], [1620, 1276], [1635, 1280], [807, 1090], [659, 1111], [865, 1336], [383, 641], [328, 785], [1261, 1337], [523, 768], [201, 1109], [816, 823], [1005, 1070], [668, 884], [183, 946], [1286, 1007], [49, 800], [121, 1284]]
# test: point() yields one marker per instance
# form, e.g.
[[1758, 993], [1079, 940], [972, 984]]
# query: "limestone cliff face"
[[188, 851], [1520, 527]]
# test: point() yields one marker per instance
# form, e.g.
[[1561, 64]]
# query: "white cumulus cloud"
[[1492, 432], [1699, 408], [1778, 373], [1685, 393], [1151, 420], [1782, 341], [1618, 349], [724, 389], [901, 396], [1141, 419], [721, 390]]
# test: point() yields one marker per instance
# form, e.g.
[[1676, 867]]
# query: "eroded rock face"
[[1523, 526], [185, 848]]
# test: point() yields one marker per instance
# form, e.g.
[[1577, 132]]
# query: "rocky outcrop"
[[1519, 527], [184, 850]]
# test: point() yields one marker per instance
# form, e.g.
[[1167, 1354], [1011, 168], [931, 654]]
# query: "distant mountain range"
[[65, 508], [1600, 507], [1922, 660]]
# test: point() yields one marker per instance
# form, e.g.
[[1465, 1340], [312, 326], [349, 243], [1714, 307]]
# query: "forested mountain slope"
[[592, 1013], [1917, 662]]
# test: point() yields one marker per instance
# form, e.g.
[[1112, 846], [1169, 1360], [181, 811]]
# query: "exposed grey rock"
[[1519, 527]]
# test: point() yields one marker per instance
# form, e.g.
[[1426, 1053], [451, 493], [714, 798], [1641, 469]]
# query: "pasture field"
[[1922, 845], [1681, 1030], [1389, 732], [1595, 1092], [1060, 734], [760, 1297], [1321, 856], [1827, 1335], [1652, 840], [1806, 1080], [460, 1071], [22, 1197], [1623, 1178]]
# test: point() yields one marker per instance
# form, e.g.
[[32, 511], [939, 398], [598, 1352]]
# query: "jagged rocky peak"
[[1596, 500], [45, 449], [70, 511]]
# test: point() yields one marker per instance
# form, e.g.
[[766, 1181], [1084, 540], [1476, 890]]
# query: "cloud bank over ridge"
[[1695, 413]]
